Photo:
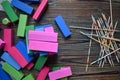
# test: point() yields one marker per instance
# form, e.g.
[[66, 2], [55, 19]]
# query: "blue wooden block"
[[39, 29], [23, 50], [9, 59], [22, 6], [33, 1], [43, 53], [62, 26], [4, 75]]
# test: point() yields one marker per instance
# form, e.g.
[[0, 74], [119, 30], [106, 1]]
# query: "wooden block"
[[43, 36], [41, 28], [8, 39], [43, 73], [6, 57], [46, 46], [58, 74], [49, 29], [23, 50], [28, 28], [4, 75], [17, 75], [14, 52], [33, 1], [22, 25], [29, 77], [40, 62], [1, 43], [38, 13], [62, 26], [22, 6], [9, 11], [6, 22], [30, 66]]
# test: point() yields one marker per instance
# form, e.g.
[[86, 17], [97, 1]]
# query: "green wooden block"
[[22, 25], [29, 77], [58, 68], [17, 75], [28, 28], [40, 62], [9, 11]]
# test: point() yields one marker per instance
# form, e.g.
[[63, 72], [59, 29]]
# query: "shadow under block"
[[9, 59], [3, 74], [8, 39], [22, 6], [17, 75], [22, 25], [9, 11], [40, 10], [43, 73], [62, 26], [14, 52], [40, 62]]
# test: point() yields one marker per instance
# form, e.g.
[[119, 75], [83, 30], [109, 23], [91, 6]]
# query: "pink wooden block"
[[49, 29], [1, 43], [43, 36], [30, 66], [43, 46], [43, 73], [13, 51], [58, 74], [8, 38], [40, 9]]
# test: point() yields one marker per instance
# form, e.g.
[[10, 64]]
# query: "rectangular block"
[[46, 46], [8, 39], [7, 58], [28, 28], [58, 74], [17, 75], [22, 25], [9, 11], [29, 77], [14, 52], [43, 36], [23, 50], [33, 1], [38, 13], [4, 75], [22, 6], [62, 26], [30, 66], [1, 43], [43, 73], [40, 62]]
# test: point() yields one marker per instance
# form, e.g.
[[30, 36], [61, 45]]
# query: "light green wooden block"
[[29, 77]]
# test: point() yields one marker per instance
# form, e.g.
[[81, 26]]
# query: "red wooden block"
[[8, 38], [13, 51], [30, 66]]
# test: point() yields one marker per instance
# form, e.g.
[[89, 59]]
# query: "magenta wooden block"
[[8, 38], [58, 74], [1, 43], [43, 46], [14, 52], [43, 73], [38, 13], [30, 66], [43, 36], [49, 29]]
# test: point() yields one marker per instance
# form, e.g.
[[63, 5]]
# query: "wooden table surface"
[[73, 51]]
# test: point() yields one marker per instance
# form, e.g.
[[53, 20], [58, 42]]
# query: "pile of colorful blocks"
[[41, 42]]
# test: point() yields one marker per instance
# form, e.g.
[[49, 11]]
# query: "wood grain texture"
[[73, 51]]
